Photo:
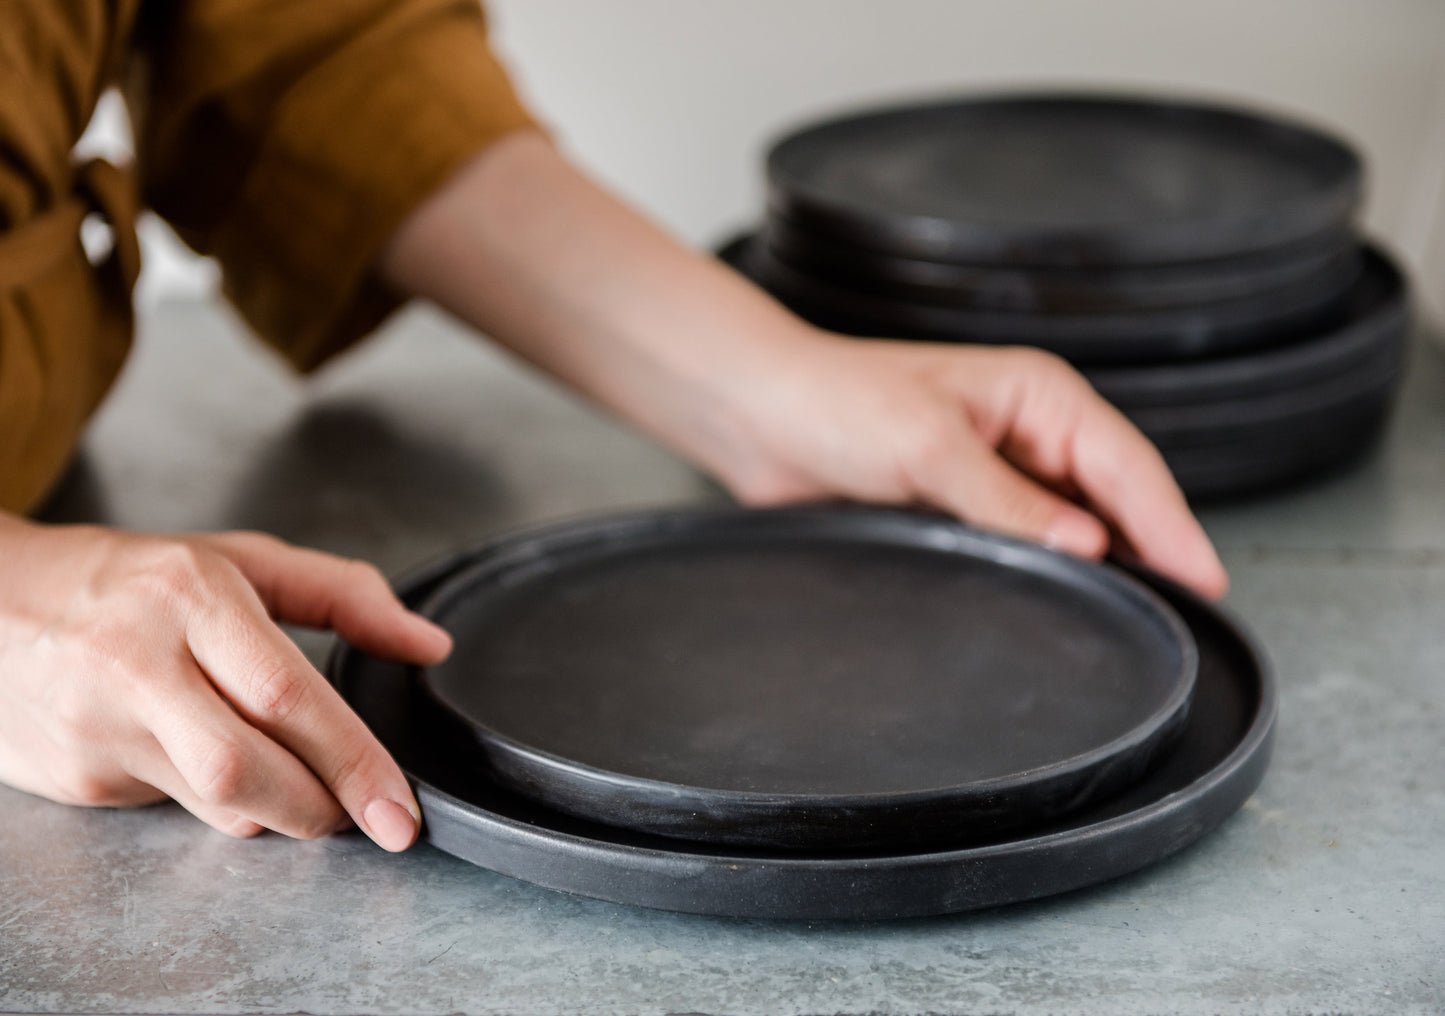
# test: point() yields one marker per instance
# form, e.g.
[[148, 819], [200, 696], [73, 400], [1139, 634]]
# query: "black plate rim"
[[1372, 379], [1160, 333], [1327, 354], [1321, 261], [1204, 477], [633, 875], [833, 522], [940, 239]]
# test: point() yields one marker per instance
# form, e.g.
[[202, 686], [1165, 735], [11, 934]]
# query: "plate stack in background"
[[1200, 264]]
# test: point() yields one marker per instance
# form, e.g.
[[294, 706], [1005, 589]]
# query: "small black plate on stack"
[[807, 679], [1327, 261], [1064, 181], [1199, 263], [1192, 783], [1250, 321]]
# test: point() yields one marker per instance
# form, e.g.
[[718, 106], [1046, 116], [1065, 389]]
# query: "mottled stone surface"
[[1325, 894]]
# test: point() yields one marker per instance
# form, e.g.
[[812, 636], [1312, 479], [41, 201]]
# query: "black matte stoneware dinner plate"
[[1250, 445], [1310, 407], [1374, 322], [1158, 334], [1213, 767], [1327, 263], [816, 678], [1063, 180], [1263, 463]]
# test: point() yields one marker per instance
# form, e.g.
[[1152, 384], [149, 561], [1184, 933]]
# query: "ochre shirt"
[[286, 139]]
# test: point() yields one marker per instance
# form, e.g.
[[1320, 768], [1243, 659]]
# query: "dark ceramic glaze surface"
[[1064, 180], [806, 677], [1325, 263]]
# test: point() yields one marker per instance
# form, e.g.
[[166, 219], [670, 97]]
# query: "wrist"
[[738, 397], [12, 523]]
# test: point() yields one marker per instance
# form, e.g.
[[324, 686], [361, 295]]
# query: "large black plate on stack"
[[1260, 419], [1372, 327], [1063, 180], [1213, 766], [806, 679], [1252, 422]]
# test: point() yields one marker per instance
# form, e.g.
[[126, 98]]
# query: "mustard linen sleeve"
[[290, 140], [65, 324]]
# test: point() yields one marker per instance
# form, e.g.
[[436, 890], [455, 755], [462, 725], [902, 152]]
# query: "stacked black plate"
[[1200, 264], [814, 713]]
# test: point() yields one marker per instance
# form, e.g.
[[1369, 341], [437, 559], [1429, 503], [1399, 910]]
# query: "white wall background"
[[672, 102]]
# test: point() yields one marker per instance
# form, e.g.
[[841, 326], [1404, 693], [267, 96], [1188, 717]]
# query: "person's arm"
[[134, 668], [527, 249]]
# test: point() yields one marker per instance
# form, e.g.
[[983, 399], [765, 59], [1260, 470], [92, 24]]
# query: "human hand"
[[134, 668], [1011, 439]]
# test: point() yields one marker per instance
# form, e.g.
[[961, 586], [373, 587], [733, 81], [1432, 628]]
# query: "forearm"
[[530, 252]]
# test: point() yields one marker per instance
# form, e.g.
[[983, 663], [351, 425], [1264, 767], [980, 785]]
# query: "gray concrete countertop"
[[1325, 894]]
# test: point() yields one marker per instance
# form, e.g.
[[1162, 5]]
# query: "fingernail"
[[438, 635], [1076, 533], [390, 825]]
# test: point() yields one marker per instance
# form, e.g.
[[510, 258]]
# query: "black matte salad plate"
[[809, 678]]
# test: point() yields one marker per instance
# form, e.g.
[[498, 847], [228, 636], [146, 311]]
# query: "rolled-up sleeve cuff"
[[354, 147]]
